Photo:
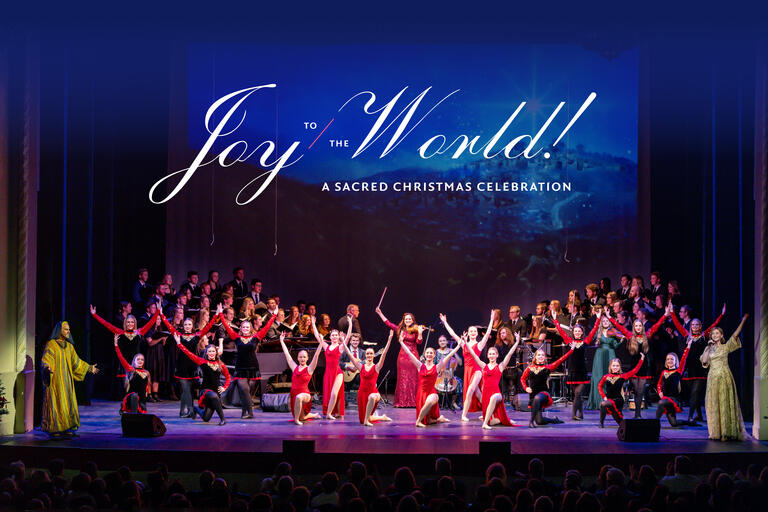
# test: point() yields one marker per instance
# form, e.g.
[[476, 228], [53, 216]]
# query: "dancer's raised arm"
[[444, 361], [507, 358], [450, 330], [741, 325], [316, 332], [487, 334], [313, 363], [355, 361], [413, 358], [383, 355], [288, 358], [112, 328]]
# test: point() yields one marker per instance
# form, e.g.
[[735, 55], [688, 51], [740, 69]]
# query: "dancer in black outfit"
[[578, 376], [138, 381], [535, 381], [212, 369], [610, 388], [186, 370], [668, 388], [247, 365]]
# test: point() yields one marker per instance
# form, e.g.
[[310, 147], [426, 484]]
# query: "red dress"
[[299, 385], [470, 367], [332, 369], [407, 375], [427, 380], [368, 380], [491, 379]]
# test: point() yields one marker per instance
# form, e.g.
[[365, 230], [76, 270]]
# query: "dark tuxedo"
[[655, 291], [359, 354], [258, 297], [141, 292], [518, 326], [240, 289], [193, 287], [344, 325], [622, 293]]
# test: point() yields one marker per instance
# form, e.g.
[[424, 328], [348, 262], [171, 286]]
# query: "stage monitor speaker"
[[276, 402], [639, 430], [141, 425]]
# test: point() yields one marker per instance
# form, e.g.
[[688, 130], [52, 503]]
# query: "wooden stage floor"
[[273, 436]]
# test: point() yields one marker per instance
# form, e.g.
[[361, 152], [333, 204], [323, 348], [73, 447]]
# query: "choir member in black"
[[668, 388], [239, 286], [578, 376], [155, 352], [170, 291], [535, 381], [247, 365], [697, 374], [186, 370], [137, 382], [623, 290], [129, 337], [141, 289], [610, 388], [604, 287], [123, 313], [192, 285], [212, 368], [656, 288]]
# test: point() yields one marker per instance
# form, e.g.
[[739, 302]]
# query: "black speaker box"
[[639, 430], [141, 425], [276, 402]]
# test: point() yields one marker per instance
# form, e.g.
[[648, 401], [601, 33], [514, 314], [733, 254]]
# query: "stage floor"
[[265, 433]]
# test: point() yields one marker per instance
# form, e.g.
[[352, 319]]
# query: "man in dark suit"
[[593, 296], [656, 286], [256, 294], [352, 313], [346, 363], [239, 288], [516, 324], [623, 291], [191, 284], [141, 290]]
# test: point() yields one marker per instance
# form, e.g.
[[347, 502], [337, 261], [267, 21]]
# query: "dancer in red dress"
[[427, 410], [333, 380], [407, 377], [301, 399], [611, 386], [368, 396], [493, 401], [473, 374]]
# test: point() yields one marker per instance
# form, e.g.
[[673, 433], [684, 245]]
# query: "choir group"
[[608, 346]]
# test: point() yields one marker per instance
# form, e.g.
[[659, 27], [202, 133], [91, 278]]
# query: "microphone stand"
[[386, 387]]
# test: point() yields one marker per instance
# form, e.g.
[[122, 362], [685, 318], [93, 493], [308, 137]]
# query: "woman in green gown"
[[608, 338], [61, 367], [724, 420]]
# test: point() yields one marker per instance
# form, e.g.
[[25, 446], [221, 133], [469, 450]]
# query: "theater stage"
[[271, 437]]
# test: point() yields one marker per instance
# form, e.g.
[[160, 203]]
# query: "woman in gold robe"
[[61, 367], [724, 420]]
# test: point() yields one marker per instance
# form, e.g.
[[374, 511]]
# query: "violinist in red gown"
[[427, 410], [368, 396], [493, 401]]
